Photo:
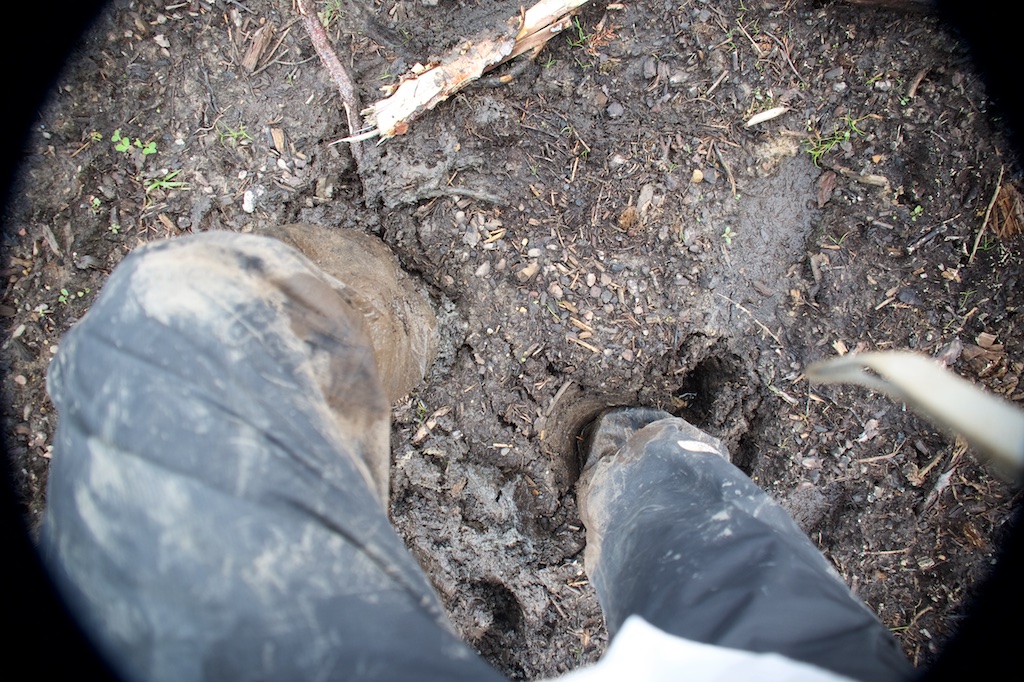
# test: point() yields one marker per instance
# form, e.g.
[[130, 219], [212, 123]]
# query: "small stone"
[[591, 279], [615, 110], [20, 380], [650, 68], [555, 291], [697, 177], [484, 269], [248, 201]]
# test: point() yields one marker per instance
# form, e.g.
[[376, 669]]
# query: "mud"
[[604, 230]]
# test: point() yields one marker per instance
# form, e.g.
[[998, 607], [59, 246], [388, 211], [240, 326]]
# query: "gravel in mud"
[[605, 229]]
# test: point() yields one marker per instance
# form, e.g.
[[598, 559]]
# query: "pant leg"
[[678, 535], [217, 496]]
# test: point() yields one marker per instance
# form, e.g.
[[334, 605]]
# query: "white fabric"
[[643, 653]]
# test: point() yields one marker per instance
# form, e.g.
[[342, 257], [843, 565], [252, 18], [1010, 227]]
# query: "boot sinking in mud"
[[399, 319]]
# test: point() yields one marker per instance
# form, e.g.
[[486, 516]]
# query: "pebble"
[[484, 269], [556, 291], [20, 380], [248, 201], [615, 110], [697, 177], [650, 68]]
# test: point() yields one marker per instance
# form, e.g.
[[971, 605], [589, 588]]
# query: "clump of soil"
[[603, 230]]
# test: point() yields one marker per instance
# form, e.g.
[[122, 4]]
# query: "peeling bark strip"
[[425, 87]]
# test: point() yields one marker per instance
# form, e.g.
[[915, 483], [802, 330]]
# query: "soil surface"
[[605, 229]]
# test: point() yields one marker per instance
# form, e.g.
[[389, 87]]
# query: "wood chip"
[[278, 135], [167, 222], [259, 43], [592, 349]]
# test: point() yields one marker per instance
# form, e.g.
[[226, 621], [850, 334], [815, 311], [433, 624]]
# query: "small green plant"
[[550, 62], [916, 213], [332, 12], [66, 296], [577, 36], [818, 146], [115, 228], [94, 205], [727, 235], [124, 144], [166, 182], [226, 133], [839, 242], [966, 296]]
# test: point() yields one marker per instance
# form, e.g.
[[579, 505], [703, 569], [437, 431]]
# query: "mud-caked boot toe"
[[397, 313]]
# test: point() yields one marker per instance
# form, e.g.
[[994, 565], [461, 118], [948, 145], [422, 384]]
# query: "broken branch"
[[339, 74], [426, 87]]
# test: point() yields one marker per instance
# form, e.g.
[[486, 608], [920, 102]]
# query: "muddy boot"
[[398, 317], [680, 537]]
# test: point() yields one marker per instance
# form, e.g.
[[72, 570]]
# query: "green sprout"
[[166, 182], [819, 145], [332, 12], [66, 296], [124, 144], [236, 135]]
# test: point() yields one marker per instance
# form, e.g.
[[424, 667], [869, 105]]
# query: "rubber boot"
[[398, 316]]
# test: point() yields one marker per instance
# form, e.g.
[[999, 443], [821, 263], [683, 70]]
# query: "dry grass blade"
[[1008, 213]]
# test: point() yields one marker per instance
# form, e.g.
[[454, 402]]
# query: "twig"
[[760, 324], [728, 171], [717, 82], [757, 48], [785, 53], [271, 60], [330, 60], [988, 213]]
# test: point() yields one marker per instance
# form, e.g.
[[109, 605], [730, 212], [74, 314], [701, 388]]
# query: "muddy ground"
[[603, 230]]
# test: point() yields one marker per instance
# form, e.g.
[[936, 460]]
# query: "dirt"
[[602, 230]]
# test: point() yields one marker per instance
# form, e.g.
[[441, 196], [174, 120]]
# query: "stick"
[[330, 60], [988, 212], [428, 86], [758, 322]]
